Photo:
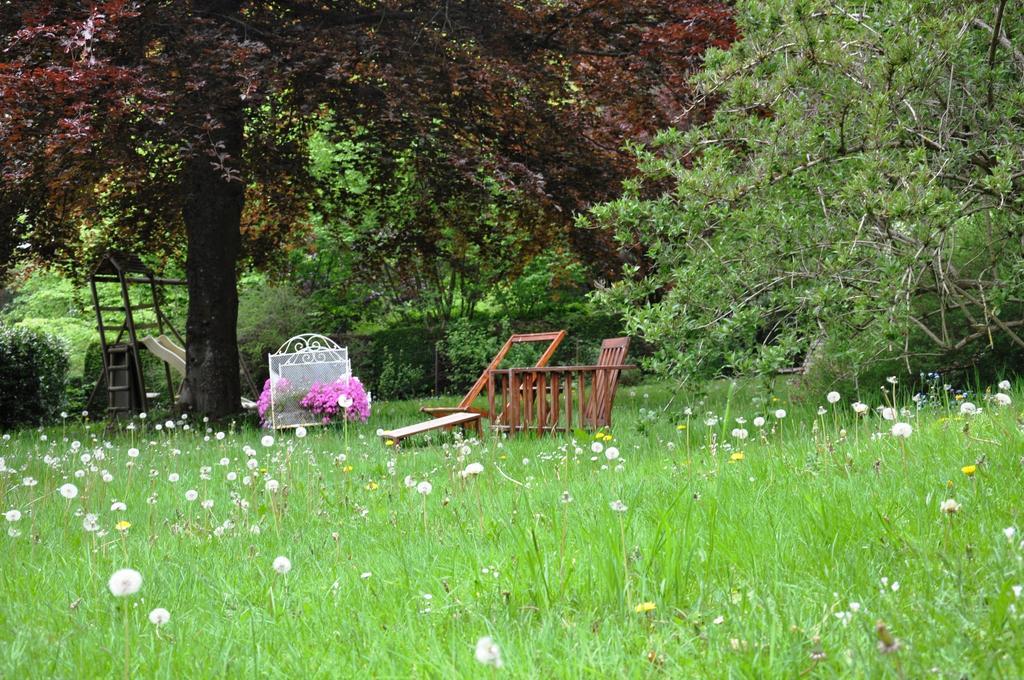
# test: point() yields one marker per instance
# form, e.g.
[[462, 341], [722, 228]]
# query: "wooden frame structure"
[[122, 368], [465, 413], [548, 399]]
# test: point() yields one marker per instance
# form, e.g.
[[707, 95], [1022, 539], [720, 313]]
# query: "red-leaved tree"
[[161, 123]]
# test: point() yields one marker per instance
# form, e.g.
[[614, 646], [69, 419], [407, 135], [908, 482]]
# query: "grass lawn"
[[778, 555]]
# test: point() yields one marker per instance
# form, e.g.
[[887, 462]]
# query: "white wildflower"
[[488, 652], [159, 616], [125, 582]]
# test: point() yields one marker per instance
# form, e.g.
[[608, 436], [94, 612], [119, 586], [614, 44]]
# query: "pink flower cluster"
[[322, 400], [263, 403]]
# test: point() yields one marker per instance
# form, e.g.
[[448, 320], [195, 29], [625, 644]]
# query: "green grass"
[[747, 562]]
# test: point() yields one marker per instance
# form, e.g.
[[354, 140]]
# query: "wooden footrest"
[[434, 424]]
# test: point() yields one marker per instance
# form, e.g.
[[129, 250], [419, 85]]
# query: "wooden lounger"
[[464, 413]]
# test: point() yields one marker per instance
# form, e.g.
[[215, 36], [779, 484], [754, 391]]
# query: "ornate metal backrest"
[[299, 363]]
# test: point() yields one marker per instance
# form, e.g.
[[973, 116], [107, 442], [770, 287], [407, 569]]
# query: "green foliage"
[[400, 235], [34, 367], [399, 379], [268, 314], [394, 360], [857, 195], [548, 284], [468, 347], [48, 302]]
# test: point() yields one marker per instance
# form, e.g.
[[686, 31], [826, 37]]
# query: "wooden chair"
[[465, 414], [547, 399]]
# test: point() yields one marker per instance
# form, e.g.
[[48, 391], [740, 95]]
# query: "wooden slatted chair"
[[465, 413], [548, 399]]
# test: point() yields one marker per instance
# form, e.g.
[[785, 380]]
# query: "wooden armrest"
[[441, 411], [562, 369]]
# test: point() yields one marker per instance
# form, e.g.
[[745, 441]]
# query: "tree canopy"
[[857, 194], [171, 125]]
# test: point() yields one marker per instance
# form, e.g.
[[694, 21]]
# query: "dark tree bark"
[[212, 212]]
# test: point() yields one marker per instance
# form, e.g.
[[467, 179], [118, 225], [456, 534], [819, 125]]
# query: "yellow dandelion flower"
[[503, 457], [123, 525], [737, 456], [680, 427], [644, 607], [969, 469], [959, 397], [389, 442], [372, 486], [347, 469]]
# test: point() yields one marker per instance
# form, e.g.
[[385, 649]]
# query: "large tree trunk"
[[213, 213]]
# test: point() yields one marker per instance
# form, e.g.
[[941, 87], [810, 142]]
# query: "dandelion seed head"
[[124, 582], [488, 653]]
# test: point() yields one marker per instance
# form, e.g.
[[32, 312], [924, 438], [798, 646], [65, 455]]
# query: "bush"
[[34, 366], [399, 379], [468, 347], [267, 316]]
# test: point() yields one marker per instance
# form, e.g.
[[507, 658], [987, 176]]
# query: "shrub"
[[398, 378], [468, 347], [34, 366], [267, 316]]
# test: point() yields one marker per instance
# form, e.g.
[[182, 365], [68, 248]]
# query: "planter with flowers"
[[311, 383]]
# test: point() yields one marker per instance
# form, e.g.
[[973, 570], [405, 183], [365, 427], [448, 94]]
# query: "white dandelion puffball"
[[345, 401], [424, 488], [409, 482], [1004, 385], [191, 495], [969, 409], [159, 616], [740, 433], [12, 515], [1002, 399], [597, 447], [125, 582], [833, 397], [473, 469], [488, 652], [69, 491], [282, 565], [273, 485], [759, 421], [268, 440], [780, 413], [889, 413], [611, 453], [118, 506], [949, 506], [300, 432], [902, 430], [133, 452], [860, 408], [618, 506]]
